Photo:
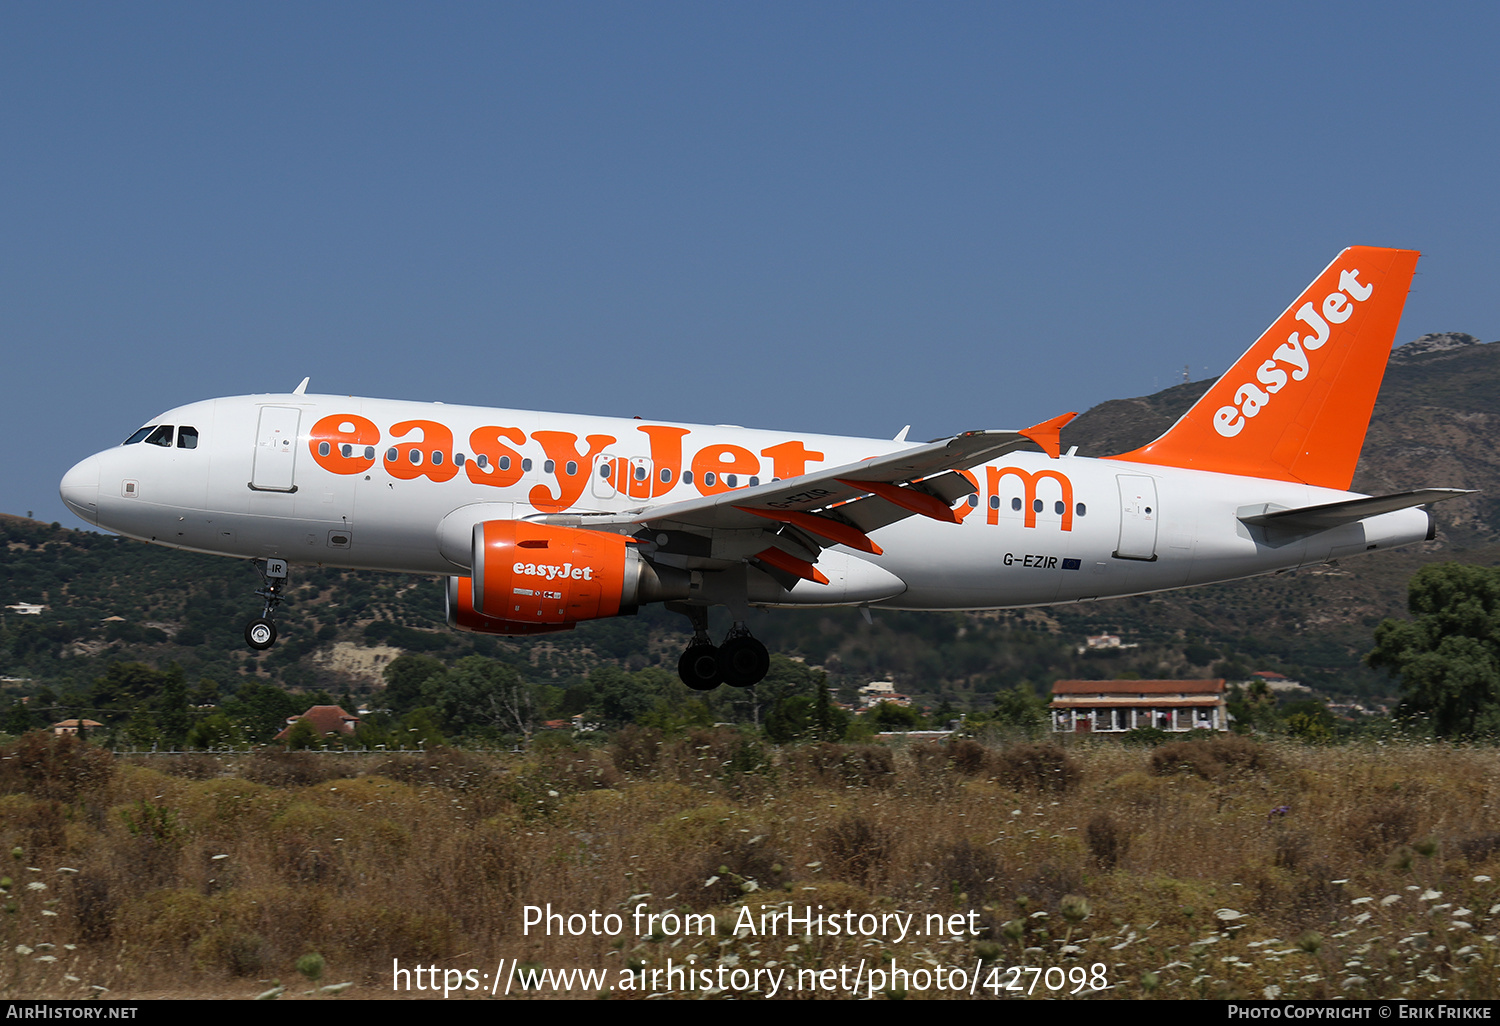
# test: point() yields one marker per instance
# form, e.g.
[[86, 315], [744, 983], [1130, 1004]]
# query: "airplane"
[[541, 521]]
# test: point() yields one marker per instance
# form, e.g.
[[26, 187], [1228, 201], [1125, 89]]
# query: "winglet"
[[1048, 434], [302, 388]]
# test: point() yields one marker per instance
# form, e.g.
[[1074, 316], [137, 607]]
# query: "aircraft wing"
[[837, 505]]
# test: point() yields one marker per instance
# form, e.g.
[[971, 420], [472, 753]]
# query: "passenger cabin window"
[[142, 433], [187, 437], [162, 436]]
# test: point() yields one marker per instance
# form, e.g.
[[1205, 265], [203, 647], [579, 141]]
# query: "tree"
[[790, 719], [1019, 707], [1308, 720], [303, 735], [482, 692], [618, 697], [404, 677], [800, 704], [262, 709], [1448, 657], [17, 719], [890, 716], [1253, 708]]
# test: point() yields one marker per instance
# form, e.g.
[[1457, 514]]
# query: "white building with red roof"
[[1115, 706]]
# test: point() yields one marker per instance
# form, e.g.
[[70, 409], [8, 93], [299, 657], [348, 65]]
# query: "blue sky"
[[819, 216]]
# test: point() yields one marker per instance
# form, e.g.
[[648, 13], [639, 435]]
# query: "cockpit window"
[[187, 437], [142, 433], [162, 436]]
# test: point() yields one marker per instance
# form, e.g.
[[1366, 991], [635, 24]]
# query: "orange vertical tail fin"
[[1296, 406]]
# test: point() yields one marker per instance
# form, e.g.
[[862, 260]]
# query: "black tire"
[[260, 634], [699, 668], [743, 661]]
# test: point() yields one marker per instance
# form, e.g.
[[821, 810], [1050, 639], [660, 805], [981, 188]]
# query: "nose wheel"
[[260, 633]]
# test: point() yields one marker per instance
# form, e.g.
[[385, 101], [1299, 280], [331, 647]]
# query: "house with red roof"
[[325, 719], [1115, 706]]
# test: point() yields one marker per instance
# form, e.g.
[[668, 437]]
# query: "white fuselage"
[[303, 478]]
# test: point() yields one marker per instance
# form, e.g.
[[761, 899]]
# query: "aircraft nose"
[[80, 489]]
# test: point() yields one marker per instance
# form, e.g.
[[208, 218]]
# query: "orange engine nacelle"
[[536, 578], [464, 617]]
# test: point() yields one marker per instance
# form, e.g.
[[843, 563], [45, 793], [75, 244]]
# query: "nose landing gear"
[[260, 633]]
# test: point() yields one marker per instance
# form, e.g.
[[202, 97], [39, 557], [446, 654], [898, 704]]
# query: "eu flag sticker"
[[1071, 564]]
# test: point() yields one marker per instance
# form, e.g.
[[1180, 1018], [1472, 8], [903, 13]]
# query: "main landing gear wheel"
[[744, 661], [699, 667], [260, 634]]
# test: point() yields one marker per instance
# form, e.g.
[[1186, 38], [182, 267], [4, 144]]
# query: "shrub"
[[858, 850], [1145, 737], [1038, 767], [290, 769], [968, 757], [1211, 759], [1384, 826], [636, 749], [967, 871], [1108, 841], [440, 766], [54, 767], [835, 765]]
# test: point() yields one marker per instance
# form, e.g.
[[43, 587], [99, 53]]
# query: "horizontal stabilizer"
[[1333, 514]]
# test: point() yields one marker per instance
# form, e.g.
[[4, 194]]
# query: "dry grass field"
[[1223, 868]]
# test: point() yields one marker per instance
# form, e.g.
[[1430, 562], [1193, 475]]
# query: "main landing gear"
[[740, 662], [260, 633]]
